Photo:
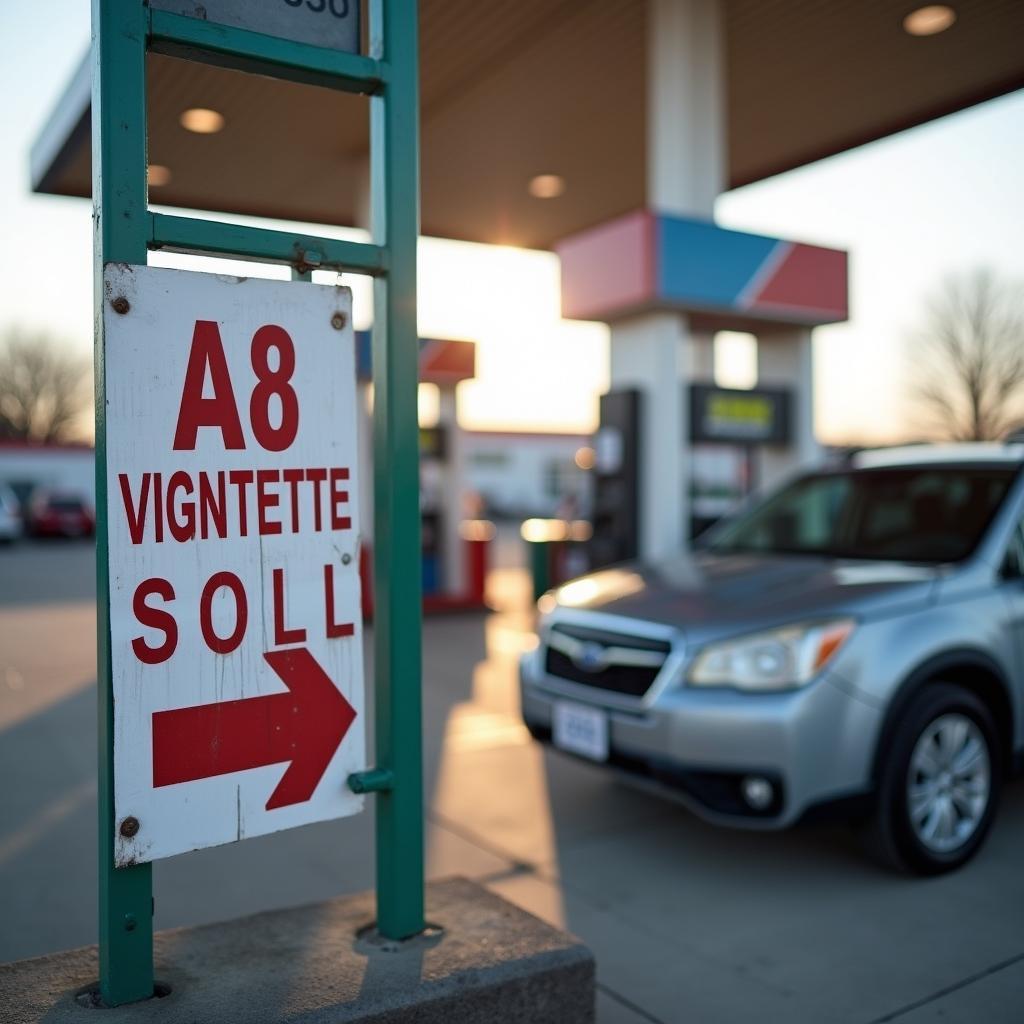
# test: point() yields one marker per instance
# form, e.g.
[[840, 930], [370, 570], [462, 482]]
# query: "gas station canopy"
[[511, 91]]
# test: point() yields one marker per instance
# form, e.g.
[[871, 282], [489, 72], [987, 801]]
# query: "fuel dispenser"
[[730, 432], [616, 479], [455, 549], [731, 440]]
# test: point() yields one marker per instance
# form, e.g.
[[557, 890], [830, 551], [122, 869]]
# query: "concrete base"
[[488, 961]]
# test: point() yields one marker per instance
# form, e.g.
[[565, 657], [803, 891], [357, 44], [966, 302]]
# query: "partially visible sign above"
[[734, 416], [232, 511], [330, 23]]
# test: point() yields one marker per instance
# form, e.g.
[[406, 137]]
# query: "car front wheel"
[[939, 785]]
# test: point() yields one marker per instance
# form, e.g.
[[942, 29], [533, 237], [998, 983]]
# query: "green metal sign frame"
[[125, 228]]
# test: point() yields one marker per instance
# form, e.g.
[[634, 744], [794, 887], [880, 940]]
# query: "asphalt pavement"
[[688, 922]]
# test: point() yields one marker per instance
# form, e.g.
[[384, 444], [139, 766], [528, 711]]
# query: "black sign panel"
[[733, 416], [433, 443], [616, 512]]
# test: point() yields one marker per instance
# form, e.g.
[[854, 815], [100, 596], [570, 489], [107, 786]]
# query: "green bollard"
[[540, 567], [540, 536]]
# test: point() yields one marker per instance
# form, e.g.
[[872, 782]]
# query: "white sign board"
[[232, 512], [330, 23]]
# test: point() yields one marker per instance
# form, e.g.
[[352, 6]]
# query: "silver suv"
[[853, 643]]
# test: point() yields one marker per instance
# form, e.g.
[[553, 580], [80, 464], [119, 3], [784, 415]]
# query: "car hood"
[[707, 595]]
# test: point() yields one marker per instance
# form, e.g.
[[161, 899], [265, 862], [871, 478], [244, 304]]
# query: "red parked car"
[[60, 514]]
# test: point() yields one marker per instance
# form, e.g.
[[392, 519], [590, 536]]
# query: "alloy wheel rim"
[[948, 782]]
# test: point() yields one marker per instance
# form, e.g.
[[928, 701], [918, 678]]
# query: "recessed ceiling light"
[[159, 175], [547, 186], [585, 458], [202, 120], [930, 20]]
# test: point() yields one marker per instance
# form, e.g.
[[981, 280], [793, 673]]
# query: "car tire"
[[939, 784]]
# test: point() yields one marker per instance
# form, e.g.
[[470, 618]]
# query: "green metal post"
[[124, 228], [121, 224], [394, 131], [540, 566]]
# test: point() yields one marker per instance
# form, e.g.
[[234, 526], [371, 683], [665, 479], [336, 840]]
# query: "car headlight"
[[778, 659]]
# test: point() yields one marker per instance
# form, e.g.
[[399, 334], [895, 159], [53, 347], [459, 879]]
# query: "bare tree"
[[45, 387], [969, 358]]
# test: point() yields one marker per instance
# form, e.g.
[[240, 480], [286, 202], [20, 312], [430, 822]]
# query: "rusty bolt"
[[129, 827], [120, 305], [338, 321]]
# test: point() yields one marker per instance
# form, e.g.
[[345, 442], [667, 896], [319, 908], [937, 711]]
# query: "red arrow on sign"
[[304, 726]]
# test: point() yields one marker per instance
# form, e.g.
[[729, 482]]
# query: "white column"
[[454, 562], [785, 358], [649, 353], [700, 366], [657, 353], [686, 148]]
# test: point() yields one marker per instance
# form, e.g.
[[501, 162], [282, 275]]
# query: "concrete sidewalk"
[[688, 922]]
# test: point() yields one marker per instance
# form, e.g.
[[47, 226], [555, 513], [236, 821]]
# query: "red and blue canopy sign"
[[647, 260], [443, 361]]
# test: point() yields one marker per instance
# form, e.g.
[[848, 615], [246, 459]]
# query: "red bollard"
[[476, 557], [477, 534]]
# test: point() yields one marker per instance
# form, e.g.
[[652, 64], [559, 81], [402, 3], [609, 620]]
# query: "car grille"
[[613, 662]]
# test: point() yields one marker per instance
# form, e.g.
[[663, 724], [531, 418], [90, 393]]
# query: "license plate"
[[581, 730]]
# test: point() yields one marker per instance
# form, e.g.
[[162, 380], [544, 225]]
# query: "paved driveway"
[[688, 922]]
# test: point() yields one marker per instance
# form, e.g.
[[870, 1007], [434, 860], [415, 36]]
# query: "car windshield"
[[910, 513]]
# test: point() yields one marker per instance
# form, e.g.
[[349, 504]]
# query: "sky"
[[912, 209]]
